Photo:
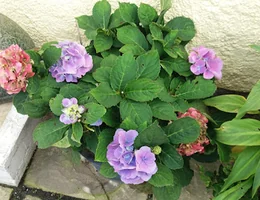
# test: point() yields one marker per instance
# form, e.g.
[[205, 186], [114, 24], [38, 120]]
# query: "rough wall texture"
[[227, 26]]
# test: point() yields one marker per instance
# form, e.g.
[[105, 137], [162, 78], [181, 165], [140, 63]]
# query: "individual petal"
[[127, 139], [198, 67], [65, 119], [208, 74], [66, 102], [145, 160]]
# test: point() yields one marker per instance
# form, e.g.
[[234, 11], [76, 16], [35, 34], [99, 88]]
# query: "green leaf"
[[167, 192], [88, 78], [170, 52], [183, 176], [88, 24], [255, 47], [49, 132], [105, 95], [244, 166], [242, 132], [179, 65], [230, 103], [138, 112], [163, 177], [19, 100], [184, 130], [56, 105], [128, 12], [142, 90], [107, 170], [132, 48], [149, 65], [156, 32], [71, 90], [170, 157], [147, 14], [163, 110], [75, 157], [116, 20], [102, 42], [184, 25], [128, 124], [252, 102], [33, 85], [94, 112], [256, 183], [169, 39], [199, 88], [51, 56], [63, 143], [123, 72], [132, 35], [47, 93], [36, 108], [166, 4], [46, 46], [77, 132], [112, 117], [102, 74], [101, 14], [109, 61], [91, 140], [153, 135], [104, 138], [34, 56], [236, 192], [224, 152]]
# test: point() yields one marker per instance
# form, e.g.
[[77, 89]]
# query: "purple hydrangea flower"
[[74, 62], [71, 111], [204, 61], [133, 166]]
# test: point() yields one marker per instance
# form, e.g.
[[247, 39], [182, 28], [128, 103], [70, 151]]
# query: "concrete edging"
[[16, 146]]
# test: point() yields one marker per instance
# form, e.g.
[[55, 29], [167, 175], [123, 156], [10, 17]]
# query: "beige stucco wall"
[[227, 26]]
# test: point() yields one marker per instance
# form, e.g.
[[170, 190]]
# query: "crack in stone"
[[97, 178]]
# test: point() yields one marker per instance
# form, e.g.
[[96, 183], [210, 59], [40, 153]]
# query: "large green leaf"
[[116, 20], [138, 112], [105, 95], [163, 110], [104, 138], [163, 177], [243, 132], [132, 48], [169, 39], [109, 61], [256, 183], [124, 71], [19, 100], [252, 102], [147, 14], [184, 25], [71, 90], [103, 42], [49, 132], [128, 12], [102, 74], [112, 117], [107, 170], [149, 65], [36, 108], [183, 130], [179, 65], [88, 24], [167, 192], [142, 90], [51, 56], [199, 88], [94, 112], [230, 103], [170, 157], [132, 35], [244, 166], [236, 192], [101, 14], [63, 143], [153, 135], [156, 32], [166, 4]]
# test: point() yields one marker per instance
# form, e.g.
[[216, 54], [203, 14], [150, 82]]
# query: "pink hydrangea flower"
[[15, 69], [199, 145], [133, 166], [204, 61]]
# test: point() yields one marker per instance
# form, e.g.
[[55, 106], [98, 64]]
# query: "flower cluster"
[[74, 63], [133, 166], [15, 69], [71, 111], [198, 145], [204, 61]]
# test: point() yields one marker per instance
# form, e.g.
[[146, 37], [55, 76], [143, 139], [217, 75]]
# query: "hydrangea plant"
[[133, 96]]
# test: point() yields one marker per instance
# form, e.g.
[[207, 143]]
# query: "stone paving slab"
[[29, 197], [52, 170], [5, 193], [4, 109]]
